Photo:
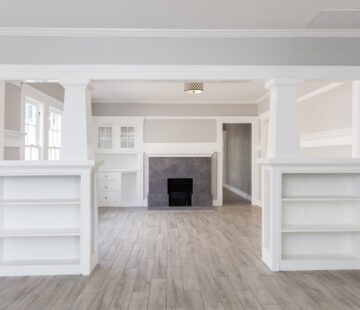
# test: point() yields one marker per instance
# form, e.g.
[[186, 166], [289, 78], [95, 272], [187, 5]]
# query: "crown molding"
[[177, 33], [319, 91]]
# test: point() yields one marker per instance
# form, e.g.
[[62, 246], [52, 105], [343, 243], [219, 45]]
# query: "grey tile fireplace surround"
[[163, 168]]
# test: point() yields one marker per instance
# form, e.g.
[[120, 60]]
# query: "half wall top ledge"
[[105, 50]]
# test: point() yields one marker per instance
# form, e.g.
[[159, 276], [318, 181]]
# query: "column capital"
[[75, 82], [286, 82]]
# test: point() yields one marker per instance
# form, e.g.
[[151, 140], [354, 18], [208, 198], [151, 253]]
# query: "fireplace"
[[180, 191], [179, 182]]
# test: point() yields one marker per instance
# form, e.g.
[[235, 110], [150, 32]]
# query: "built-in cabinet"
[[118, 144], [311, 216], [47, 221], [116, 137]]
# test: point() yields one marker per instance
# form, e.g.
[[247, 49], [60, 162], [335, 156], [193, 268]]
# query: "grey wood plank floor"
[[183, 260]]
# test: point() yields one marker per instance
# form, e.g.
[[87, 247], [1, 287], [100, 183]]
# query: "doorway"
[[237, 163]]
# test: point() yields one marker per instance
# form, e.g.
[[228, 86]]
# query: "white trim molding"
[[54, 73], [237, 192], [341, 136], [177, 33]]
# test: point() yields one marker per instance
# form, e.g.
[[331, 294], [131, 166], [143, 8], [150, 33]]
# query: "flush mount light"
[[193, 87]]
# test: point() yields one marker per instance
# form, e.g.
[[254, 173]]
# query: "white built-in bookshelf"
[[311, 216], [43, 217], [320, 219]]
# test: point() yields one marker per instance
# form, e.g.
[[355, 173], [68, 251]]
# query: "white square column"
[[356, 119], [283, 134], [283, 143], [77, 122], [2, 119]]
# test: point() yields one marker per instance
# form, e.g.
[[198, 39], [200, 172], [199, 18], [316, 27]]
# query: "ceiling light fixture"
[[193, 87]]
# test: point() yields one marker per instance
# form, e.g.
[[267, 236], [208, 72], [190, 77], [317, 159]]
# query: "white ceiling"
[[185, 14], [173, 92]]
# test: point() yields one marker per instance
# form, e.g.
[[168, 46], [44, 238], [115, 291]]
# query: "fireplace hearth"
[[180, 191]]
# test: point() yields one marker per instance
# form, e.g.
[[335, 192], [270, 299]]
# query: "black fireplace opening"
[[180, 191]]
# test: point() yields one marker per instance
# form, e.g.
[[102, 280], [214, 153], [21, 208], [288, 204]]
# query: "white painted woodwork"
[[311, 214], [48, 216], [77, 131], [176, 72], [120, 178], [284, 134], [356, 119], [2, 119]]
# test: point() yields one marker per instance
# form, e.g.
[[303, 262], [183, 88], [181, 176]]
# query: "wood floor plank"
[[193, 300], [157, 295], [248, 300], [124, 290], [175, 288], [139, 301]]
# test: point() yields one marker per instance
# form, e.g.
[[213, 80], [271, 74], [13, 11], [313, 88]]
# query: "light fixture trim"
[[193, 87]]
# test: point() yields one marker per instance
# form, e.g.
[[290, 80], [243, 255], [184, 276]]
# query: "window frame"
[[127, 139], [38, 129], [59, 131]]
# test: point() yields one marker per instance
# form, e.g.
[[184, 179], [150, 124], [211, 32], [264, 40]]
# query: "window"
[[32, 129], [127, 137], [105, 137], [54, 135]]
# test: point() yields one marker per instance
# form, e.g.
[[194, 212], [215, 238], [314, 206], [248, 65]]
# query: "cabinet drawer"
[[103, 176], [108, 196], [108, 186]]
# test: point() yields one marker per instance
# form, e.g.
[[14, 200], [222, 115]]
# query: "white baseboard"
[[216, 203], [122, 204], [237, 192]]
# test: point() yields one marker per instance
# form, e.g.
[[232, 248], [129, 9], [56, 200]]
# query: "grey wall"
[[336, 151], [179, 130], [231, 51], [12, 107], [238, 156], [54, 90], [11, 153], [328, 111], [115, 109]]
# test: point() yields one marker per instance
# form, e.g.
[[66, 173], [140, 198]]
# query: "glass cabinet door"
[[127, 137], [105, 137]]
